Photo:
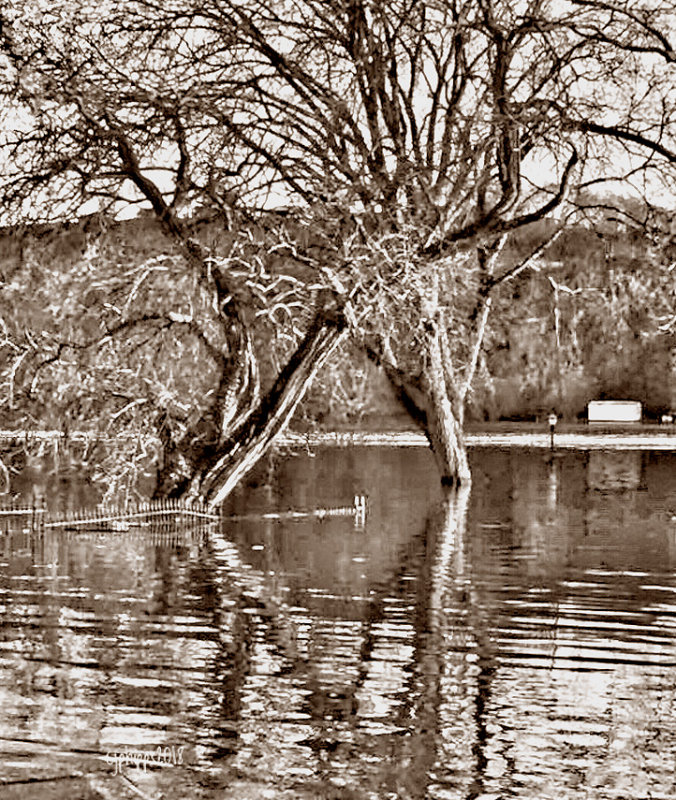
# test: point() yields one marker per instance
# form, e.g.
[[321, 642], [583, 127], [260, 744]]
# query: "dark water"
[[517, 642]]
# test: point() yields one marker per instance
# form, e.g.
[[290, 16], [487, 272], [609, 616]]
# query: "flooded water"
[[518, 641]]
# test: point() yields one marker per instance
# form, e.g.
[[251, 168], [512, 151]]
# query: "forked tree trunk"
[[236, 394], [240, 426], [254, 435], [435, 405]]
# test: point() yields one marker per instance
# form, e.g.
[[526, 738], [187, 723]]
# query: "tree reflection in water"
[[515, 641]]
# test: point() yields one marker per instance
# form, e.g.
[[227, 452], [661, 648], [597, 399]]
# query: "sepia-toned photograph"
[[338, 399]]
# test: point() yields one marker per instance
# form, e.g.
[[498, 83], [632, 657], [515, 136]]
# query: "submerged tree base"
[[212, 471]]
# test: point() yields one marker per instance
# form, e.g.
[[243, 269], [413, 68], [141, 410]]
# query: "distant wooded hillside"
[[591, 322], [596, 321]]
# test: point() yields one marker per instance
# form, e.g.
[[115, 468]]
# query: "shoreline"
[[577, 440], [500, 435]]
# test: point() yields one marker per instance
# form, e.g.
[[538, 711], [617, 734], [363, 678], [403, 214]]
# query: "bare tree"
[[419, 136], [406, 140], [113, 104]]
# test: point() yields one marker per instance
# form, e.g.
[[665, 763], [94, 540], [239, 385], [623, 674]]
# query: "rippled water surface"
[[517, 641]]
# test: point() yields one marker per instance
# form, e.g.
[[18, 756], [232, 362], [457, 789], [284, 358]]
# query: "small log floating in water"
[[356, 510]]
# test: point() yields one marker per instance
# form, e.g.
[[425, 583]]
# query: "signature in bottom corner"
[[169, 756]]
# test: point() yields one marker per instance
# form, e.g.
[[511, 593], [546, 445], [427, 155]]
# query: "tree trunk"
[[434, 404], [253, 436], [444, 433], [444, 417]]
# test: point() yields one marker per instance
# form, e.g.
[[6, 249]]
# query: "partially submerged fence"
[[155, 516]]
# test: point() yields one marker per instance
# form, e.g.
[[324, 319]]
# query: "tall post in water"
[[552, 426]]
